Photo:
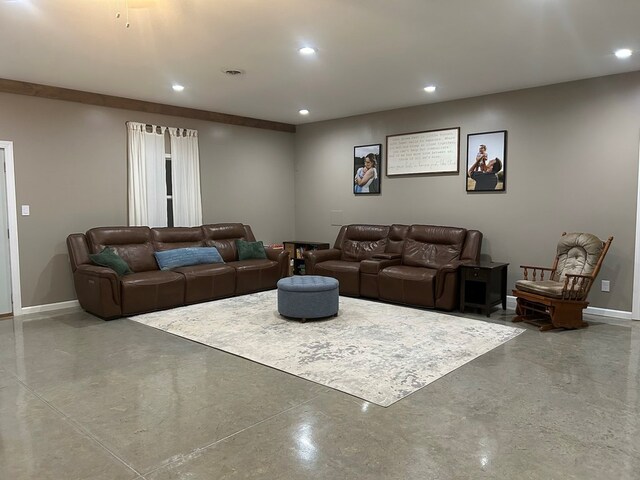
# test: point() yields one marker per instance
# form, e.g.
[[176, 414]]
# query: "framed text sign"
[[433, 151]]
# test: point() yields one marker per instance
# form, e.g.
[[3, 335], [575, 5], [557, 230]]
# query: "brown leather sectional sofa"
[[102, 292], [408, 264]]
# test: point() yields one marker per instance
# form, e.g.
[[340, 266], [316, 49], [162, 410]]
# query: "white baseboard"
[[49, 307], [602, 312], [511, 304]]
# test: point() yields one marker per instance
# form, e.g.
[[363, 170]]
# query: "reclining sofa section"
[[413, 265], [102, 292]]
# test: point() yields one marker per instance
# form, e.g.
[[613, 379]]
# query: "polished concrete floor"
[[85, 399]]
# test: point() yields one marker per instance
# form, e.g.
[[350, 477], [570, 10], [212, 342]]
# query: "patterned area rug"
[[375, 351]]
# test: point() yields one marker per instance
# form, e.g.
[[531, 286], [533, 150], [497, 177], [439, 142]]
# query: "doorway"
[[10, 300], [5, 255]]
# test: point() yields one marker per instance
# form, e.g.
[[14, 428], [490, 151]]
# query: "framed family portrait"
[[487, 161], [367, 165]]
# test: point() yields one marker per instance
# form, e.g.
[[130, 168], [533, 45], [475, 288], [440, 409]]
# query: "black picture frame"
[[486, 168], [364, 155]]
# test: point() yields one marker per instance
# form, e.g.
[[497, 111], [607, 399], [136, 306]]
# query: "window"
[[164, 188], [169, 195]]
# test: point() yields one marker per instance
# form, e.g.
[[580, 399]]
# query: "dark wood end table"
[[296, 249], [483, 285]]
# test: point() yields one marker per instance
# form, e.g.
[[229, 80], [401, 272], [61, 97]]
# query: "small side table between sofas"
[[483, 285], [296, 250]]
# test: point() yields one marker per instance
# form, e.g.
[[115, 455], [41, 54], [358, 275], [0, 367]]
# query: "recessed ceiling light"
[[624, 53], [307, 51], [304, 111], [177, 88], [430, 88]]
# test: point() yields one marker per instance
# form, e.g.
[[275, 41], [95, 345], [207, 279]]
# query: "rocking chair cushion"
[[578, 254], [547, 288]]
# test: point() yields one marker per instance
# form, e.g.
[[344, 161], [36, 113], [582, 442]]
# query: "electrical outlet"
[[605, 285]]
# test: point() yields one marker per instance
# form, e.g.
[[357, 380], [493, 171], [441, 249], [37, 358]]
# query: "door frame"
[[635, 304], [12, 217]]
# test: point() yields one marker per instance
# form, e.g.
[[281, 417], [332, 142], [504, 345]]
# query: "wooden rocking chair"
[[558, 301]]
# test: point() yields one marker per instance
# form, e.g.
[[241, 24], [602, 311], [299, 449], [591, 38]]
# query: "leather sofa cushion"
[[223, 236], [148, 291], [428, 255], [356, 251], [170, 238], [362, 241], [397, 235], [415, 274], [337, 266], [255, 275], [204, 270], [431, 246], [132, 244], [220, 231], [227, 249], [347, 274], [101, 237], [408, 285], [437, 234], [151, 278], [252, 264], [208, 282], [139, 257]]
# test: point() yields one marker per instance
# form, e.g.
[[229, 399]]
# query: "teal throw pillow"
[[110, 259], [185, 257], [250, 250]]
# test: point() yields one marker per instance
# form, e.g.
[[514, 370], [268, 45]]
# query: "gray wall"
[[572, 165], [71, 168]]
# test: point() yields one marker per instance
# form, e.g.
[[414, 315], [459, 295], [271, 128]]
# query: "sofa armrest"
[[375, 265], [97, 271], [313, 257], [98, 290], [447, 279], [273, 253], [280, 256]]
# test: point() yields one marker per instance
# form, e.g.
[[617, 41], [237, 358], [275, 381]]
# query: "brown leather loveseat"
[[102, 292], [408, 264]]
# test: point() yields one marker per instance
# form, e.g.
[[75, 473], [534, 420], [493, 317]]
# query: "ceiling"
[[371, 55]]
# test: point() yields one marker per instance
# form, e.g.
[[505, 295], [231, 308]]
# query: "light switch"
[[25, 210]]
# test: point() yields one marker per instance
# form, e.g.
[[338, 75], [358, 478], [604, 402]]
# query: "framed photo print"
[[367, 165], [424, 153], [487, 161]]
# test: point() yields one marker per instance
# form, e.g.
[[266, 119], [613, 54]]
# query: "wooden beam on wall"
[[89, 98]]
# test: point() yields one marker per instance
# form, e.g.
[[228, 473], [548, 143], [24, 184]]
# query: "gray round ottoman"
[[308, 296]]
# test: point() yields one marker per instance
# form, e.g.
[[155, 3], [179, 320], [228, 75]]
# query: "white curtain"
[[185, 176], [147, 175]]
